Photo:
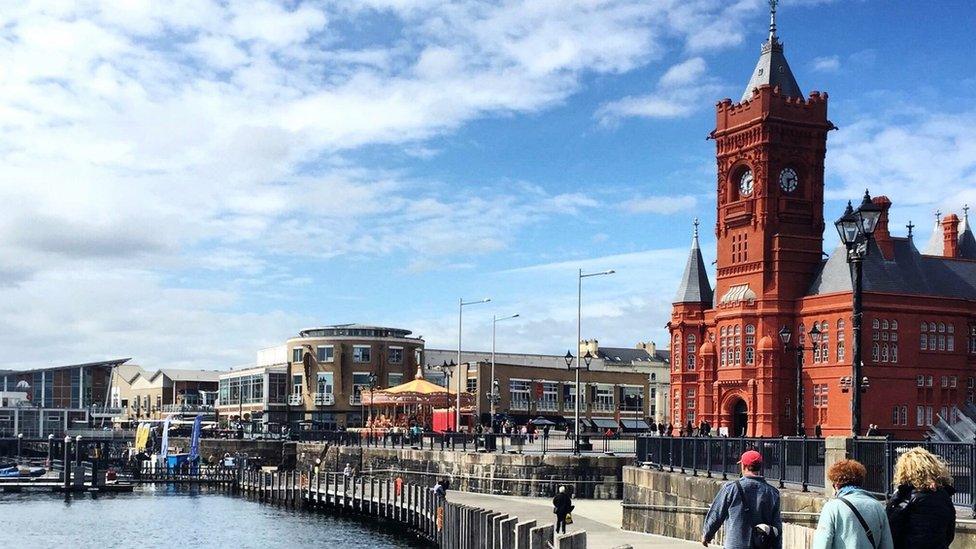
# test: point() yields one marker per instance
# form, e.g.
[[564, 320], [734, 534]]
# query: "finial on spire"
[[965, 211], [772, 20], [696, 223], [910, 227], [938, 216]]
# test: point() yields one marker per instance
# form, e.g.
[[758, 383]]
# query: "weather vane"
[[696, 223]]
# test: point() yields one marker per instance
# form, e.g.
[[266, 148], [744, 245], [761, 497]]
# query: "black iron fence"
[[879, 457], [797, 461], [474, 442]]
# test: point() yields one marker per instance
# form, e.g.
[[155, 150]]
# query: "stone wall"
[[674, 504], [514, 474]]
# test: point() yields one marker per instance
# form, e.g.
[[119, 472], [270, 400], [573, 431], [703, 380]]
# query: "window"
[[841, 352], [876, 324], [945, 382], [972, 339], [875, 352], [884, 353], [953, 380], [820, 395], [325, 383], [928, 381], [920, 381], [324, 353], [750, 355], [895, 415], [550, 394], [692, 340], [471, 385], [690, 361], [894, 353], [928, 415], [393, 379], [360, 353], [296, 354], [518, 390], [919, 416], [360, 383], [296, 385], [395, 355], [604, 398], [904, 415]]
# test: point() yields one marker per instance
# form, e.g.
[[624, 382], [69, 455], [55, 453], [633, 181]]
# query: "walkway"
[[600, 518]]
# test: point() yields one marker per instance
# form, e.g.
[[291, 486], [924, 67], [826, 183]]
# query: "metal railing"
[[107, 411], [879, 456], [797, 461], [604, 407], [187, 408], [295, 399], [324, 399], [355, 400]]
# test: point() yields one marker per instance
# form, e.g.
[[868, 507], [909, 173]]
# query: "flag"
[[195, 439]]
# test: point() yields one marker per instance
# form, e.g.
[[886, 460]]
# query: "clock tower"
[[770, 157]]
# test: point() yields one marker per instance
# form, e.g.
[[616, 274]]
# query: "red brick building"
[[728, 363]]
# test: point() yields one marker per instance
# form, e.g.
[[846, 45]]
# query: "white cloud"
[[829, 63], [680, 91]]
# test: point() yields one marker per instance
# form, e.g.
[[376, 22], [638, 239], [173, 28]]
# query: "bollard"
[[78, 449], [50, 450], [66, 464]]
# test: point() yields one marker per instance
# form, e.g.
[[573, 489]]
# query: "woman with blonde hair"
[[921, 512]]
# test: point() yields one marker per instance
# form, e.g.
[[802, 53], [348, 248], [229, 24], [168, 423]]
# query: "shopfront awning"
[[601, 423], [635, 424]]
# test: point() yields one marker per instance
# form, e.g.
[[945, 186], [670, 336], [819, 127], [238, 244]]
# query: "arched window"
[[840, 351], [941, 327], [884, 353], [876, 324], [692, 340], [738, 356], [931, 326], [894, 353], [894, 324], [653, 376], [750, 329], [925, 327], [884, 324], [824, 352], [750, 337], [875, 352], [750, 355], [690, 362]]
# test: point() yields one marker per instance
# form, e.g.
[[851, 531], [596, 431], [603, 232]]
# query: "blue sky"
[[187, 183]]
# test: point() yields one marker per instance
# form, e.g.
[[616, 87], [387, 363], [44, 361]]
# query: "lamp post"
[[576, 429], [856, 228], [569, 355], [493, 398], [785, 334], [372, 386], [461, 304]]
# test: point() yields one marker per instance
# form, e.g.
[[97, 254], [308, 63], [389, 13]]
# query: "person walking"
[[852, 519], [921, 512], [562, 505], [749, 509], [347, 471]]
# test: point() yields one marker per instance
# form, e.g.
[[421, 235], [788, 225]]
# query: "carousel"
[[413, 404]]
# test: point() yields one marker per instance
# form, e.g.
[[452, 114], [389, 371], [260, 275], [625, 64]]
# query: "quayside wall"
[[674, 504], [596, 477]]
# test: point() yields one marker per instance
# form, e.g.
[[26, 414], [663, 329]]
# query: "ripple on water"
[[167, 516]]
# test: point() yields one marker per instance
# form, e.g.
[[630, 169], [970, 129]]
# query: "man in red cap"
[[749, 509]]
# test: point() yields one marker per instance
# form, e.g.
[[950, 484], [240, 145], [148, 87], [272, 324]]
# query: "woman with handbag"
[[562, 506], [853, 519], [921, 512]]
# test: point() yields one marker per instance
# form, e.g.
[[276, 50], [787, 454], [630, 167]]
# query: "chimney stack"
[[881, 233], [950, 235]]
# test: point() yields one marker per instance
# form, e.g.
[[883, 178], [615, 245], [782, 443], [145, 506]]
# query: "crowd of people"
[[919, 514]]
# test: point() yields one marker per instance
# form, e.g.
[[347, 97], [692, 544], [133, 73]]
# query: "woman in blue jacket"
[[853, 519]]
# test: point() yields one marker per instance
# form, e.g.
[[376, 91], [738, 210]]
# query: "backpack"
[[764, 536]]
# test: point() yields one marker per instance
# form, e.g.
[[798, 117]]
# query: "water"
[[166, 516]]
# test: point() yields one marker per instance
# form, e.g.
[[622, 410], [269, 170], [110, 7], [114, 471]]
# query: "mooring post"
[[66, 463]]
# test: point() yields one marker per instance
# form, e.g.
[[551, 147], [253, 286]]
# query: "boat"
[[20, 471]]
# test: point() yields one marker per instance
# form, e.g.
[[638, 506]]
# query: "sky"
[[186, 182]]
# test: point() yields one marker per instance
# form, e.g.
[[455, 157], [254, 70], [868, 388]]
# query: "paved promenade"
[[600, 518]]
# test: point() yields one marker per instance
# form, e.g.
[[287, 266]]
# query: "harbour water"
[[167, 516]]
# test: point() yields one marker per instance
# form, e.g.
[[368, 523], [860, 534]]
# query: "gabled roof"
[[627, 355], [694, 287], [187, 375], [128, 372], [935, 246], [907, 272]]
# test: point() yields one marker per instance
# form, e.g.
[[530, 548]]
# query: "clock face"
[[788, 180], [745, 183]]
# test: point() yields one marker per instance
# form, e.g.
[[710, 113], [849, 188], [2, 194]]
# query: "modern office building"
[[44, 401]]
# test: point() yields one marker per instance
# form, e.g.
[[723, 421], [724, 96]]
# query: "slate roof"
[[621, 355], [967, 242], [773, 70], [694, 287], [907, 272]]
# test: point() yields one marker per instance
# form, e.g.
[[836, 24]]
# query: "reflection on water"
[[168, 516]]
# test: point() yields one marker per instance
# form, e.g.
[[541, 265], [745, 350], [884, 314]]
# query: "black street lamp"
[[856, 228], [785, 334], [587, 358]]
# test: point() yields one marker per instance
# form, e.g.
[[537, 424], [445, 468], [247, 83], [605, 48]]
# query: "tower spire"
[[772, 21], [772, 69], [695, 287]]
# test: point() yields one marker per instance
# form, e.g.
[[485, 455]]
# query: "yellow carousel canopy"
[[416, 391]]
